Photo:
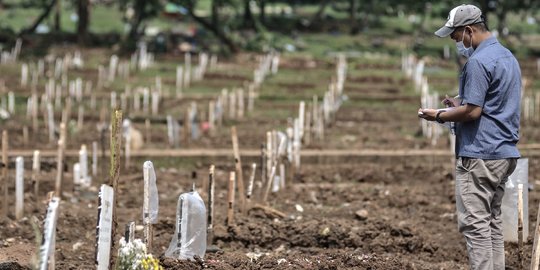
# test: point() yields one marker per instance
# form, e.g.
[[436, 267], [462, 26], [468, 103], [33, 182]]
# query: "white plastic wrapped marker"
[[151, 200], [189, 238], [510, 202]]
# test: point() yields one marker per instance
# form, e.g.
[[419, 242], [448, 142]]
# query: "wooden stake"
[[238, 165], [230, 209], [80, 118], [211, 118], [520, 226], [270, 210], [263, 166], [250, 185], [269, 183], [114, 174], [25, 135], [210, 219], [535, 258], [148, 131], [5, 172], [35, 124], [187, 128], [269, 155], [94, 159]]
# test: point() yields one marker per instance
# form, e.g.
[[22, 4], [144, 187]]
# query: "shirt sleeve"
[[476, 83]]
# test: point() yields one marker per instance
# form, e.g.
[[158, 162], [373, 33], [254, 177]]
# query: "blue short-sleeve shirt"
[[491, 79]]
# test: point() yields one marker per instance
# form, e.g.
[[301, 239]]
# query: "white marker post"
[[86, 180], [19, 187], [76, 175], [5, 176], [146, 100], [520, 226], [80, 118], [240, 95], [179, 81], [155, 102], [104, 228], [250, 185], [11, 102], [230, 207], [301, 115], [94, 158], [49, 236], [150, 203], [210, 217], [187, 71], [24, 75], [50, 114], [211, 118], [36, 168]]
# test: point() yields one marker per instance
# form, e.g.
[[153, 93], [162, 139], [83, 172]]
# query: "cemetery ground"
[[372, 194]]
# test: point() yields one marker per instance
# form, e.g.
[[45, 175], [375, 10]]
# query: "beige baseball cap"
[[460, 16]]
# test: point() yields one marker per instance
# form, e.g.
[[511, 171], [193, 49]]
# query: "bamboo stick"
[[269, 183], [114, 174], [239, 174], [535, 258]]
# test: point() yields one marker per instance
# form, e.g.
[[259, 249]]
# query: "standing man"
[[487, 131]]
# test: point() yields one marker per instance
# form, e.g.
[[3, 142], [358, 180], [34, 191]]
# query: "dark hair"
[[482, 26]]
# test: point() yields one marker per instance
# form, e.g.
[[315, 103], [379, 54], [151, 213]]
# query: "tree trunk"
[[248, 16], [262, 14], [501, 17], [320, 12], [84, 18], [484, 7], [216, 31], [353, 16], [215, 13], [41, 17], [57, 15]]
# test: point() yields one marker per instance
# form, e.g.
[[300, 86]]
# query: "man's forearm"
[[459, 114]]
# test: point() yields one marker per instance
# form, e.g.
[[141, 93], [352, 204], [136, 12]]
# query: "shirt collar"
[[487, 42]]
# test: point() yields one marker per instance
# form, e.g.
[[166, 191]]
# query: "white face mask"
[[467, 52]]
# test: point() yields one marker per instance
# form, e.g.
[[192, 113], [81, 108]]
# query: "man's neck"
[[481, 37]]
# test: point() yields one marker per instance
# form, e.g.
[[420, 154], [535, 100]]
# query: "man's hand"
[[451, 102], [428, 114]]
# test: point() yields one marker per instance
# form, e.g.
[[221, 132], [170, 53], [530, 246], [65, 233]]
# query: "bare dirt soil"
[[369, 212]]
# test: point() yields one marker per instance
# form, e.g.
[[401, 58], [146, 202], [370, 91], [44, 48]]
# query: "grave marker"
[[150, 203], [250, 185], [5, 178], [47, 247], [19, 187], [230, 199], [210, 217], [36, 169], [105, 228], [94, 158]]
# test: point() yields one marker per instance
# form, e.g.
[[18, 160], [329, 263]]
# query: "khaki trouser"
[[479, 192]]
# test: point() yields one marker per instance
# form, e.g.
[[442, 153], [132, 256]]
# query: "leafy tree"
[[214, 25], [137, 11]]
